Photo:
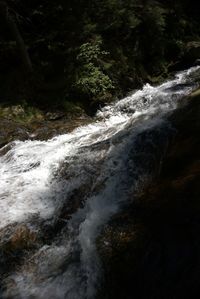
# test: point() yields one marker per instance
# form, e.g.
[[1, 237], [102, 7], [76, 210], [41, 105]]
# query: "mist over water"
[[95, 170]]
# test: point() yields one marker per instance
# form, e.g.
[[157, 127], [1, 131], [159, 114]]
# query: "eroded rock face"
[[15, 240], [17, 237], [152, 250]]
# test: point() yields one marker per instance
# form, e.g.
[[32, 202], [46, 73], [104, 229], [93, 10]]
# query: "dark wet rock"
[[197, 62], [48, 129], [15, 237], [152, 249], [54, 115], [15, 240], [11, 130], [178, 87]]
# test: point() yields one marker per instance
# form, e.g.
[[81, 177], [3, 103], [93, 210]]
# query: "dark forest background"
[[87, 53]]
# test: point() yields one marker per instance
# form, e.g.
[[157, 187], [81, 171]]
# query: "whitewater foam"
[[112, 156]]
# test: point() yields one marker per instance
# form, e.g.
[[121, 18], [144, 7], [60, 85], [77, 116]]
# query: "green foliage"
[[91, 52], [97, 49], [156, 15], [22, 113], [91, 79]]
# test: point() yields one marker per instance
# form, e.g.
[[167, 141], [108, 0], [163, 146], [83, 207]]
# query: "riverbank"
[[22, 123]]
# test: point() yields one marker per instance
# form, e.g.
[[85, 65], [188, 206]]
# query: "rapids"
[[70, 186]]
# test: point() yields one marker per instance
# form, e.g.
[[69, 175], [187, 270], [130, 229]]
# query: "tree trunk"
[[11, 24]]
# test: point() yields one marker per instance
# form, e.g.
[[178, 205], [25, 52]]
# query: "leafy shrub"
[[91, 79]]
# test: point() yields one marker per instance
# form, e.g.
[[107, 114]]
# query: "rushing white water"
[[100, 165]]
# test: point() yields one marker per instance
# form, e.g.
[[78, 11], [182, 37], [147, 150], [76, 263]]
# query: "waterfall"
[[70, 186]]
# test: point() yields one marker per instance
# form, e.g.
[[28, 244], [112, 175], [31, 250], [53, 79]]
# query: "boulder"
[[152, 249]]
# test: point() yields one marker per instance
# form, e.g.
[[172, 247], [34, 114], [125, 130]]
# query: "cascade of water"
[[104, 163]]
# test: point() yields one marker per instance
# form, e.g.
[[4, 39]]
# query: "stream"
[[60, 193]]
